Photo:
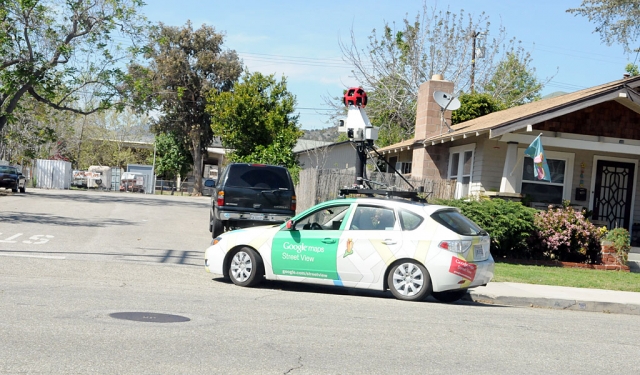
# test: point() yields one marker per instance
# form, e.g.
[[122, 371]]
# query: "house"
[[591, 139], [325, 155]]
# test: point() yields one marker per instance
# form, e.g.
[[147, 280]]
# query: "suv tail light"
[[220, 200], [293, 203]]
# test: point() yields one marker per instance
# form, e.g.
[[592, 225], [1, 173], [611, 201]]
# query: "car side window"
[[373, 218], [409, 220], [327, 218]]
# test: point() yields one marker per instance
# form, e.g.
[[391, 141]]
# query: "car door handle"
[[329, 240], [389, 242]]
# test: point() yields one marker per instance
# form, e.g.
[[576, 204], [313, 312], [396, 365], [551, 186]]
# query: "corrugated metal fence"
[[319, 185]]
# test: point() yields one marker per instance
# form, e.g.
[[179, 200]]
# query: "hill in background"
[[326, 135]]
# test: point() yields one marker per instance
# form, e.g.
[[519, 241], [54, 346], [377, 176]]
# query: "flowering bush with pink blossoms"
[[565, 235]]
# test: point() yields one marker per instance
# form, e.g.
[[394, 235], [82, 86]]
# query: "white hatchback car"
[[413, 249]]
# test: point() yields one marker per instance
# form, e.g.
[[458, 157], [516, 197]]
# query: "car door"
[[309, 250], [372, 240]]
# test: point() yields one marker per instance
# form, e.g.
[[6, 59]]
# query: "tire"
[[14, 189], [23, 189], [216, 227], [409, 280], [246, 267], [450, 295], [211, 223]]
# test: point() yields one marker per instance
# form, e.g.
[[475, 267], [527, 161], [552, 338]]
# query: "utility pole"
[[474, 36]]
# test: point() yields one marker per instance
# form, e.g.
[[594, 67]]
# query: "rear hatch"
[[474, 242], [259, 188]]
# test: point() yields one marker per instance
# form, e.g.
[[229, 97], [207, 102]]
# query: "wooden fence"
[[319, 185]]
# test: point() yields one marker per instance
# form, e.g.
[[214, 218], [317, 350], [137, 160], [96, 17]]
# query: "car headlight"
[[455, 246]]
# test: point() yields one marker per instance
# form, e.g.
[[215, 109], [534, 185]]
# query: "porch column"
[[508, 183]]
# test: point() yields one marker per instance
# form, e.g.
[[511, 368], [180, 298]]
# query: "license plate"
[[256, 217], [478, 252]]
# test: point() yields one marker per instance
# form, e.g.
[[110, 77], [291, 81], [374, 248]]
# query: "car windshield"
[[248, 176], [457, 222], [5, 169]]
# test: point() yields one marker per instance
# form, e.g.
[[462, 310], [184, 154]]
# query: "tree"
[[399, 59], [473, 106], [172, 159], [37, 131], [632, 69], [184, 66], [112, 138], [256, 121], [513, 83], [616, 20], [53, 50]]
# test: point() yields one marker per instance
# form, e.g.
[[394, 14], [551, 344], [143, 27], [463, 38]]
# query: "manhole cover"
[[150, 317]]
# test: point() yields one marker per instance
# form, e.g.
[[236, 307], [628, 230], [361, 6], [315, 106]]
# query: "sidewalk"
[[557, 297]]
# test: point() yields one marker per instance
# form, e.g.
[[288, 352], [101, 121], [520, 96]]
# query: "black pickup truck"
[[248, 195]]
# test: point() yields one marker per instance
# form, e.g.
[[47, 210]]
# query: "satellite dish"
[[446, 101]]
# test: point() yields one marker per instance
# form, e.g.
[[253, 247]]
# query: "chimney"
[[428, 122], [431, 161]]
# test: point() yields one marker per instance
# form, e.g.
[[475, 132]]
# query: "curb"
[[554, 303]]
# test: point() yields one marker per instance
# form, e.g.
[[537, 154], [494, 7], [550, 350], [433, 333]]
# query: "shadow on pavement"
[[341, 291], [127, 198], [163, 256], [23, 218]]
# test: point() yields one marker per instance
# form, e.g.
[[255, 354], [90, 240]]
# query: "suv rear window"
[[259, 177], [457, 222]]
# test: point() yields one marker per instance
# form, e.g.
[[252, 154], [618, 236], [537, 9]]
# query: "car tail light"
[[455, 246], [220, 201], [293, 203]]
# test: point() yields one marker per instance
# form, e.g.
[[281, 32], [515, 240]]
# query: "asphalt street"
[[73, 263]]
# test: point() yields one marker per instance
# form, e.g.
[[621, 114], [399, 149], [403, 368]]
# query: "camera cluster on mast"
[[362, 134]]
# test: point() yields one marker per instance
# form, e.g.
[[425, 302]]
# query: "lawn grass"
[[573, 277]]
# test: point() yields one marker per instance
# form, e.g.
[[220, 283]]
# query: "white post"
[[509, 178]]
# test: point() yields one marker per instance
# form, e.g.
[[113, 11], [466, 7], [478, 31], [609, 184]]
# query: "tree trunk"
[[197, 167]]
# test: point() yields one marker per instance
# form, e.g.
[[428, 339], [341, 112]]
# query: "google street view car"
[[413, 249]]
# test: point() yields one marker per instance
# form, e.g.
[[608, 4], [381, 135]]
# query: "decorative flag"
[[540, 167]]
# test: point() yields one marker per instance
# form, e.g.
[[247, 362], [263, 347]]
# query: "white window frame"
[[459, 173], [568, 158]]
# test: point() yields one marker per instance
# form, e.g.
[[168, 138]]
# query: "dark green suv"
[[248, 195]]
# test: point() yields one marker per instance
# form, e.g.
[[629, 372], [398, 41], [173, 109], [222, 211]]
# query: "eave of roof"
[[515, 118]]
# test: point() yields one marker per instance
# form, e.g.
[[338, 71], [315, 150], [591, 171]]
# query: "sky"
[[300, 40]]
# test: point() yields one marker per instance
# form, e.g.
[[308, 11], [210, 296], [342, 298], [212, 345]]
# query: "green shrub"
[[621, 241], [508, 223]]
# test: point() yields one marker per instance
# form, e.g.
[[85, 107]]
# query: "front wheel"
[[409, 281], [450, 295], [246, 267]]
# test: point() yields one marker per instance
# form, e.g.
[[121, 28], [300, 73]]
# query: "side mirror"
[[291, 225]]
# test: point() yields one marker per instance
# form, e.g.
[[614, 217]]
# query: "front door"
[[613, 193]]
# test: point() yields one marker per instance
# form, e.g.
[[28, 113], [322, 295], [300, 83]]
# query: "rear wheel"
[[450, 295], [409, 281], [23, 189], [246, 267], [216, 227]]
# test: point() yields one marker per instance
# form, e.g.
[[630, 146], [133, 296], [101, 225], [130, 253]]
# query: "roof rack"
[[412, 195]]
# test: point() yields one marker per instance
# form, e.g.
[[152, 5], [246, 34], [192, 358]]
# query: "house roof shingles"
[[534, 112]]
